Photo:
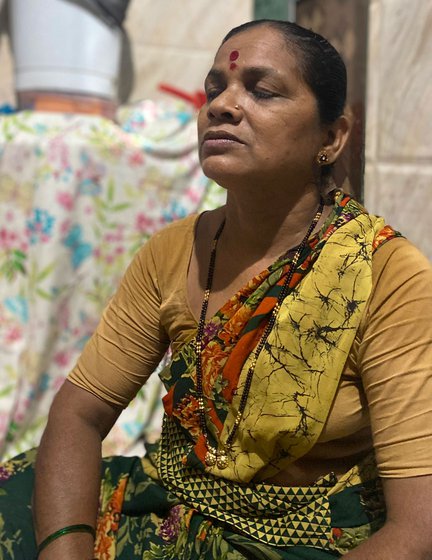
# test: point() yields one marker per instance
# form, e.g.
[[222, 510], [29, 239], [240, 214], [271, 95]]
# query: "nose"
[[224, 107]]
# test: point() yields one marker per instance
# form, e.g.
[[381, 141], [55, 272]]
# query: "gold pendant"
[[222, 460], [211, 457]]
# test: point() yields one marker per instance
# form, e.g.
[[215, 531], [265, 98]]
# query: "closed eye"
[[262, 88], [258, 93], [263, 94]]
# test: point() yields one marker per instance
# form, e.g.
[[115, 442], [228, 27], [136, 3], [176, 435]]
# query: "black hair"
[[322, 67]]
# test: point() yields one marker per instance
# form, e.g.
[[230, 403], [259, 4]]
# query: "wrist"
[[71, 542]]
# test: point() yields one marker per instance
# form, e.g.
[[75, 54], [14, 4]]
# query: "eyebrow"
[[250, 71]]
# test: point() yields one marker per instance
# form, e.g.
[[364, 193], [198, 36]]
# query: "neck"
[[267, 225]]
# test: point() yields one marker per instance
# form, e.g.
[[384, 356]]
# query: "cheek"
[[202, 120], [303, 131]]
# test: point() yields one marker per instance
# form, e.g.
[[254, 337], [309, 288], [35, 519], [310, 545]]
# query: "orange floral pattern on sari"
[[108, 519]]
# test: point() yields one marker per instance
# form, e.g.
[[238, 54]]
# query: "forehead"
[[259, 45]]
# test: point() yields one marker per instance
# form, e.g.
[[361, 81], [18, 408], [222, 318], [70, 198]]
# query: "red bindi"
[[233, 56]]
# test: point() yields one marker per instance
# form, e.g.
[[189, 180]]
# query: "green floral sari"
[[140, 520], [170, 505]]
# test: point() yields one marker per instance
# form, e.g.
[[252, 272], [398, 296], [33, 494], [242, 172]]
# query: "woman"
[[298, 411]]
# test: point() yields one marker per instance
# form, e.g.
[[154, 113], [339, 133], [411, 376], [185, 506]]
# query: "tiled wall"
[[170, 41], [398, 181]]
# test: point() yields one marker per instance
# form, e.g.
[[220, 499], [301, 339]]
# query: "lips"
[[221, 135], [218, 142]]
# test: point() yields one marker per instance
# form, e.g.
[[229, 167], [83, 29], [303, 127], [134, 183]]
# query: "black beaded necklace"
[[219, 457]]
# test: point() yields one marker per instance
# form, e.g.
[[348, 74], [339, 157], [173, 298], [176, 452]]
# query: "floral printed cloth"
[[79, 195], [140, 520]]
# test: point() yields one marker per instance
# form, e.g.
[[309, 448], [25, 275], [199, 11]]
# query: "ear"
[[336, 136]]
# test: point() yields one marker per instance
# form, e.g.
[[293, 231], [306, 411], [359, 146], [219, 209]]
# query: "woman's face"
[[261, 121]]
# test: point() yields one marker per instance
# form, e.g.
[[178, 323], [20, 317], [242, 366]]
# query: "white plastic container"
[[61, 46]]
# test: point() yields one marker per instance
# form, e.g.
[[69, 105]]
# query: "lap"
[[138, 520]]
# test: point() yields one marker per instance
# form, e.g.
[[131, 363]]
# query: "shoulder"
[[398, 262], [163, 260], [171, 241], [401, 283], [176, 232]]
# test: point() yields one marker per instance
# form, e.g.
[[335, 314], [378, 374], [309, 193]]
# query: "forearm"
[[67, 485], [390, 543], [68, 469]]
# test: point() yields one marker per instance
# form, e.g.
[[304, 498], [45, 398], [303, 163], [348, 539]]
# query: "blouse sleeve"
[[395, 358], [129, 341]]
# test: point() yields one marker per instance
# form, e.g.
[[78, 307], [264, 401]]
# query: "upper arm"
[[407, 532], [408, 500], [395, 359], [129, 341], [409, 512], [73, 402]]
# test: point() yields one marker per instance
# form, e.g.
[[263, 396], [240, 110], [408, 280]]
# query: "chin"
[[221, 173]]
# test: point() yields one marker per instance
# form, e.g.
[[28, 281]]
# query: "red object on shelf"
[[197, 99]]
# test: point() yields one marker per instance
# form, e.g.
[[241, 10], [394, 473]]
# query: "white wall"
[[398, 182]]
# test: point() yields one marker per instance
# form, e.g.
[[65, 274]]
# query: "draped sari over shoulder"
[[171, 505]]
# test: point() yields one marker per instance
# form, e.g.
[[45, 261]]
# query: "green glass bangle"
[[80, 528]]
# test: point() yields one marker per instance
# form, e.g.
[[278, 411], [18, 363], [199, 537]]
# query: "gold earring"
[[322, 158]]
